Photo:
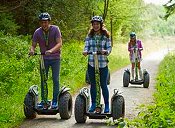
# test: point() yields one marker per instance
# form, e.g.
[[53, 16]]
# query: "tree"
[[170, 8], [72, 17], [126, 18]]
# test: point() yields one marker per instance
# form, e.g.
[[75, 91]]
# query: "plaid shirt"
[[98, 43]]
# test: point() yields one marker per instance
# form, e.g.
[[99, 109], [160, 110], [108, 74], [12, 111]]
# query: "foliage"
[[170, 8], [71, 17], [154, 24], [73, 65], [162, 113], [126, 18], [7, 24], [15, 77]]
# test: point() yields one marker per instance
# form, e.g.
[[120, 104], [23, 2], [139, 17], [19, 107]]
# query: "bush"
[[7, 24]]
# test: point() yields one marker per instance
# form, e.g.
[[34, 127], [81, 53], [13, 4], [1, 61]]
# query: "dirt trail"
[[134, 95]]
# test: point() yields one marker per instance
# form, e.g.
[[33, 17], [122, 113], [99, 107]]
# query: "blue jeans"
[[103, 83], [55, 66]]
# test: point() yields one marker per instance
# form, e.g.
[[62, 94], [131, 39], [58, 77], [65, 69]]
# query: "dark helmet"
[[97, 18], [44, 16], [132, 34]]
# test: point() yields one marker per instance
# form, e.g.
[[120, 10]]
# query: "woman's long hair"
[[132, 42], [103, 31]]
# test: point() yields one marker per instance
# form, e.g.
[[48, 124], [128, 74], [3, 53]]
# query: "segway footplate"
[[138, 82], [92, 115]]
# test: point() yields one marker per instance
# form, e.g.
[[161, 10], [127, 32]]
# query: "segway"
[[145, 75], [82, 102], [31, 103]]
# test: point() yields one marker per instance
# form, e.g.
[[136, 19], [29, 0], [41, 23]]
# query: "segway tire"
[[80, 109], [126, 79], [29, 106], [118, 107], [65, 105], [146, 80]]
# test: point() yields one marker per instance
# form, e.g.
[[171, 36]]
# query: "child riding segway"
[[137, 75], [97, 46]]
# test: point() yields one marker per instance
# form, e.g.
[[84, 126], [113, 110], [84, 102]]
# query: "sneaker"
[[106, 108], [54, 105], [92, 108], [41, 105]]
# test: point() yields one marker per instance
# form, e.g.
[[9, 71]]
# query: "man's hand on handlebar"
[[31, 53], [48, 52]]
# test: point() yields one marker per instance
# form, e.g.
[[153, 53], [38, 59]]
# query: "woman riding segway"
[[133, 45], [98, 40]]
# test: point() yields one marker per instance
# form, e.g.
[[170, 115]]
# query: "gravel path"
[[134, 95]]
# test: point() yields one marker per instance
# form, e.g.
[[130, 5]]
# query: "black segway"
[[82, 101], [31, 108], [145, 75]]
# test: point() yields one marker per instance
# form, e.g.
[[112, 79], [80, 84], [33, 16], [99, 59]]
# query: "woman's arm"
[[86, 47]]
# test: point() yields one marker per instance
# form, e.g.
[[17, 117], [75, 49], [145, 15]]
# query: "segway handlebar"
[[136, 49], [35, 54], [39, 54], [98, 53]]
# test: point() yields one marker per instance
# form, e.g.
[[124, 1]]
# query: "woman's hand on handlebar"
[[104, 52], [85, 53], [140, 49]]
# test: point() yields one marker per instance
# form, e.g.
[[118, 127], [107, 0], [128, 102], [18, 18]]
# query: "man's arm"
[[32, 48], [57, 46]]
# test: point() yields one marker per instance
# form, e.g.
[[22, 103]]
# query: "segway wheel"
[[80, 109], [29, 106], [126, 79], [118, 107], [87, 80], [146, 80], [65, 105]]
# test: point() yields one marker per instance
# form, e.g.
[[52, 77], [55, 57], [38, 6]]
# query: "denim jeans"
[[103, 83], [55, 66]]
